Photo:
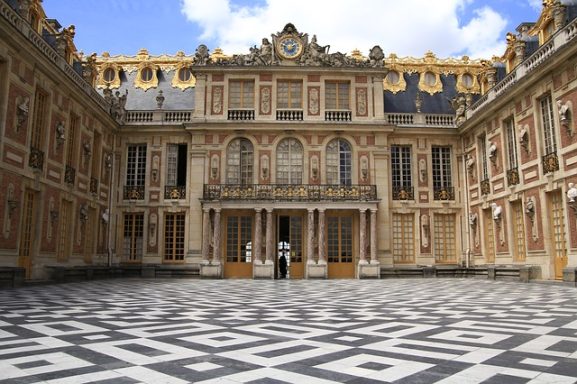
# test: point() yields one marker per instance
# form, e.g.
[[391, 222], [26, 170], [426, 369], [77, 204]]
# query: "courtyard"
[[302, 331]]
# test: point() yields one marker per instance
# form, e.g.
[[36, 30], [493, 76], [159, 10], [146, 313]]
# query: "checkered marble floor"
[[460, 331]]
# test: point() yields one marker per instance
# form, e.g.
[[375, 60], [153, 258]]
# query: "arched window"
[[239, 162], [339, 162], [289, 162]]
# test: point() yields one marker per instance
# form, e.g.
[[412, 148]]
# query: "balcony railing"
[[513, 176], [289, 114], [444, 193], [93, 185], [173, 192], [485, 187], [286, 192], [403, 193], [420, 120], [36, 159], [133, 192], [550, 162], [338, 116], [241, 114]]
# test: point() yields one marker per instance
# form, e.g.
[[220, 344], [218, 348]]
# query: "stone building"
[[349, 166]]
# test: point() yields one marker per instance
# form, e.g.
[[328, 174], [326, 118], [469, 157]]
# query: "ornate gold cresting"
[[430, 69], [551, 20], [183, 76], [105, 68]]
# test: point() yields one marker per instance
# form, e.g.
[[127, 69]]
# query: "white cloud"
[[408, 27]]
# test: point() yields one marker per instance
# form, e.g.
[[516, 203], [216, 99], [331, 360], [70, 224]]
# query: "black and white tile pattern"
[[243, 331]]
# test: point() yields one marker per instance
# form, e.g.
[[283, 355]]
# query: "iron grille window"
[[548, 124], [238, 239], [483, 154], [239, 159], [337, 95], [340, 239], [441, 167], [241, 94], [289, 94], [511, 143], [133, 236], [289, 162], [174, 236], [339, 162], [176, 164], [136, 165], [401, 165]]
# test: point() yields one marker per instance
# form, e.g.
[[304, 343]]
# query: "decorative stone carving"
[[60, 133], [264, 167], [265, 100], [83, 213], [87, 149], [470, 164], [564, 110], [473, 221], [214, 167], [362, 102], [155, 168], [376, 57], [572, 194], [314, 107], [493, 152], [530, 212], [108, 160], [459, 104], [418, 101], [160, 99], [217, 99], [364, 168], [524, 137], [201, 56], [152, 225], [425, 231], [117, 105], [315, 168], [422, 171], [22, 112], [496, 210]]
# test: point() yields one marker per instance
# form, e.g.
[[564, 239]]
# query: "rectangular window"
[[133, 236], [239, 239], [548, 125], [176, 156], [340, 239], [337, 95], [401, 165], [96, 155], [511, 143], [404, 238], [40, 119], [289, 94], [64, 243], [74, 126], [442, 180], [241, 94], [519, 230], [136, 165], [483, 154], [174, 237], [489, 236], [444, 241]]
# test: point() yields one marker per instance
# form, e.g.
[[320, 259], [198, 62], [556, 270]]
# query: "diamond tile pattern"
[[461, 331]]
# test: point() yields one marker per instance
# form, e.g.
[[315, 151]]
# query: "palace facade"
[[349, 166]]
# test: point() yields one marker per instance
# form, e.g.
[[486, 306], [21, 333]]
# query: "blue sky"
[[409, 28]]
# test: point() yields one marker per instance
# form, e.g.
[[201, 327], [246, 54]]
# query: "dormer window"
[[184, 74], [393, 77], [109, 75], [430, 79], [146, 74], [467, 80]]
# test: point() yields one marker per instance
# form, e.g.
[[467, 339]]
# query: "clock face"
[[290, 47]]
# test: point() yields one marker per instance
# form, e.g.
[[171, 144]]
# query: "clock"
[[290, 47]]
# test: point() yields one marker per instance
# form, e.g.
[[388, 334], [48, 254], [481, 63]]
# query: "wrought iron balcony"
[[133, 192], [550, 162], [289, 114], [444, 193], [403, 193], [173, 192], [288, 192], [69, 174], [36, 159], [485, 187], [513, 176], [241, 114], [93, 185], [338, 115]]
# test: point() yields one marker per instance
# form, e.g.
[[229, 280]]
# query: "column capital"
[[258, 210], [217, 210], [269, 210]]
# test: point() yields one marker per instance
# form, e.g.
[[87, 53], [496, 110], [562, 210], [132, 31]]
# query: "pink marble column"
[[374, 236], [216, 237], [363, 236], [205, 235], [257, 236], [270, 248], [311, 236], [322, 238]]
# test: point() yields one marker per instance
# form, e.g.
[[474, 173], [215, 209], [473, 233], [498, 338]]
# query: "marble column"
[[374, 236], [363, 236], [311, 237], [257, 236], [205, 235], [269, 238], [216, 238], [322, 238]]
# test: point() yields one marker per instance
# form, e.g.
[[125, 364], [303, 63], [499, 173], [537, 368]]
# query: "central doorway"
[[290, 245]]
